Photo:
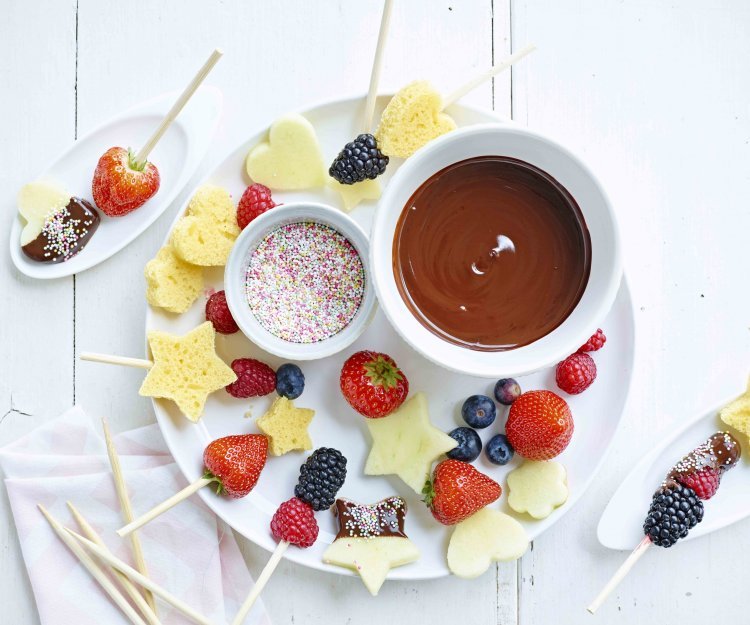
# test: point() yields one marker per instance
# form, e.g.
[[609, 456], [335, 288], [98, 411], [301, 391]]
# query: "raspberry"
[[596, 342], [705, 482], [576, 373], [255, 201], [294, 522], [254, 378], [217, 312]]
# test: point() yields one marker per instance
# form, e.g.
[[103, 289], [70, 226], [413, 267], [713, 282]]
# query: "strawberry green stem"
[[219, 488]]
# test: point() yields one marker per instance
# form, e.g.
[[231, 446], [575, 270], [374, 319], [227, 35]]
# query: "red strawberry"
[[596, 342], [457, 491], [254, 379], [540, 425], [255, 201], [235, 462], [373, 384], [217, 312], [294, 521], [120, 184], [705, 481], [576, 373]]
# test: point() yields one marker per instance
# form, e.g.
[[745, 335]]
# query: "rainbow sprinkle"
[[304, 282]]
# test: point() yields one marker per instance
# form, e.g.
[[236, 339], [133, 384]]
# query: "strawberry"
[[457, 491], [120, 184], [373, 384], [540, 425], [294, 521], [705, 481], [235, 463]]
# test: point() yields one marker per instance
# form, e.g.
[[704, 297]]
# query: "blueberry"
[[290, 381], [507, 391], [469, 445], [478, 411], [498, 449]]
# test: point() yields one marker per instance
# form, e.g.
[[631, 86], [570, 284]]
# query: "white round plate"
[[621, 525], [597, 412], [177, 156]]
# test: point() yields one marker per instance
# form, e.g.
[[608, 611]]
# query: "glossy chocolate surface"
[[384, 518], [491, 253], [65, 232]]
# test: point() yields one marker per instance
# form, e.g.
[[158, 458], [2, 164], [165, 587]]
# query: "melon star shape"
[[290, 159], [186, 369], [353, 194], [405, 443]]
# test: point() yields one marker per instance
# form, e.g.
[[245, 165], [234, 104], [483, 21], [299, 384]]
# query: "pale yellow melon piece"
[[485, 537], [406, 444], [171, 283], [372, 557], [353, 194], [412, 118], [206, 234], [285, 425], [36, 200], [186, 369], [290, 158], [537, 488], [737, 414]]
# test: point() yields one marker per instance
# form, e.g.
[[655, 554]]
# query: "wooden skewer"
[[125, 361], [261, 582], [493, 71], [93, 568], [620, 574], [165, 505], [138, 578], [127, 585], [126, 509], [143, 153], [377, 65]]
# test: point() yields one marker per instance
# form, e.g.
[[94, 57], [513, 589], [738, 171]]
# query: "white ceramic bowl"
[[568, 170], [234, 280]]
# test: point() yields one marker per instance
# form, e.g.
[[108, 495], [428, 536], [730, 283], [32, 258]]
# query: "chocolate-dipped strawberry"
[[58, 226]]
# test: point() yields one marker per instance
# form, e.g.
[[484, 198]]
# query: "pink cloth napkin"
[[188, 551]]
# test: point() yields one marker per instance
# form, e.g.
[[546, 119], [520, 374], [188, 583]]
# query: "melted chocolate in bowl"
[[491, 253]]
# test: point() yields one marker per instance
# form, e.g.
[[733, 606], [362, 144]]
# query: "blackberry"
[[321, 477], [674, 511], [358, 160]]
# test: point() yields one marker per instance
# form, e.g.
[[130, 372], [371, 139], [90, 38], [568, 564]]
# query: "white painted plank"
[[652, 95], [37, 121]]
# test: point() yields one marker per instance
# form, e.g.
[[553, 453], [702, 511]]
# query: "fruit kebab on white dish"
[[677, 505], [321, 477]]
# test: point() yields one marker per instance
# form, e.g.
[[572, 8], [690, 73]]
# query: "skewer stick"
[[117, 360], [127, 585], [493, 71], [261, 582], [377, 65], [138, 578], [143, 153], [93, 568], [126, 509], [620, 574], [165, 505]]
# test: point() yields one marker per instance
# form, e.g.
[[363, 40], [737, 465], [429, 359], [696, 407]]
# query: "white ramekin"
[[566, 168], [234, 280]]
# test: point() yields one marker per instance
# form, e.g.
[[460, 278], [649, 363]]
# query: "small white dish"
[[621, 525], [177, 156], [248, 241], [563, 166]]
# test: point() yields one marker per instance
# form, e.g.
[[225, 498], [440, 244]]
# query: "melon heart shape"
[[485, 537], [290, 159]]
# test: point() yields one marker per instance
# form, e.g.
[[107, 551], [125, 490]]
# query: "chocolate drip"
[[65, 232], [384, 518]]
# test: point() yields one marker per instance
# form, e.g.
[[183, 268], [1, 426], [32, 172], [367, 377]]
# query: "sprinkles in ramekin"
[[304, 282]]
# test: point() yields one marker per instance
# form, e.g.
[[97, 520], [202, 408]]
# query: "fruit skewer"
[[233, 463], [677, 505], [123, 180], [321, 477]]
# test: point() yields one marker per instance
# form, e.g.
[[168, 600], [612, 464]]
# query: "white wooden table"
[[655, 95]]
